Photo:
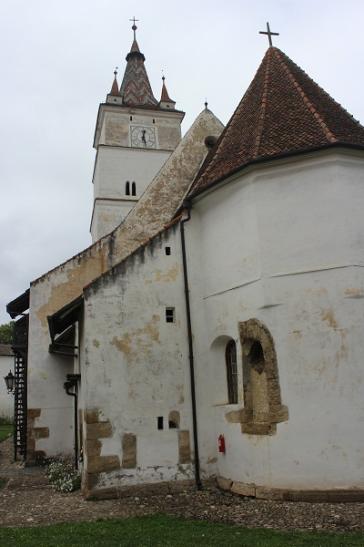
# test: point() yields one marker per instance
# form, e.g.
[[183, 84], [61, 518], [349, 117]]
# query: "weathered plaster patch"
[[41, 432], [353, 292], [328, 316], [168, 276], [123, 344], [95, 343], [137, 336], [79, 275], [297, 334]]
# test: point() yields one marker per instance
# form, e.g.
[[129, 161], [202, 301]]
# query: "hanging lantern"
[[10, 382]]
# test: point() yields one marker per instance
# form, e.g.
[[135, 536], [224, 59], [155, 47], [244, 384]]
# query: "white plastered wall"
[[284, 244], [114, 167], [136, 364], [47, 374], [6, 399], [118, 161]]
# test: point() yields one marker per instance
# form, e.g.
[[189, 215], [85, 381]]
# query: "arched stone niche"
[[263, 407]]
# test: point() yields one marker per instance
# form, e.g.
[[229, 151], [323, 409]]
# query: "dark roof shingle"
[[283, 112]]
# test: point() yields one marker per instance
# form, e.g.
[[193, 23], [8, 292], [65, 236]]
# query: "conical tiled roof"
[[164, 95], [135, 88], [114, 88], [283, 112]]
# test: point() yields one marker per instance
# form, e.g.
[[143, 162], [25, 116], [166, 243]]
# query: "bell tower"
[[135, 134]]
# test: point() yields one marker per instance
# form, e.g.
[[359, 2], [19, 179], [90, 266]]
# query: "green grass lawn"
[[160, 530], [5, 431]]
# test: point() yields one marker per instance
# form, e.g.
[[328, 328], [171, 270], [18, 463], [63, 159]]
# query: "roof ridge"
[[310, 106], [258, 137]]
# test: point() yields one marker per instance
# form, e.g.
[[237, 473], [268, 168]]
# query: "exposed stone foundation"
[[95, 429], [337, 495], [151, 489], [34, 433]]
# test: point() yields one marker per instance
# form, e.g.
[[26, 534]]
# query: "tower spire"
[[135, 88]]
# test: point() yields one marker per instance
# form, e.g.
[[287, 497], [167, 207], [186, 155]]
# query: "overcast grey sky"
[[57, 60]]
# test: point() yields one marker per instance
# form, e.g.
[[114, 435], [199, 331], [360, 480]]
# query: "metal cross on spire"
[[134, 27], [269, 33]]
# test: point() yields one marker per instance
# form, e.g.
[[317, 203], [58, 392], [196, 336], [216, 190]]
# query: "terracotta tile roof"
[[283, 112], [114, 88], [164, 95], [135, 88]]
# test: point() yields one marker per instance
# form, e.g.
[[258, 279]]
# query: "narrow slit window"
[[170, 315], [168, 251], [131, 118], [160, 422], [133, 189], [231, 372], [127, 188]]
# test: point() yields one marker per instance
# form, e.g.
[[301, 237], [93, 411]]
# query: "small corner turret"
[[114, 96], [166, 102]]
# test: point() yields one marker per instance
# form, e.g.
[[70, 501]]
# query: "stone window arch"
[[231, 372], [133, 189], [263, 407], [127, 188]]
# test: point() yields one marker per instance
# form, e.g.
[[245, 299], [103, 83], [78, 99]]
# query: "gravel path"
[[27, 500]]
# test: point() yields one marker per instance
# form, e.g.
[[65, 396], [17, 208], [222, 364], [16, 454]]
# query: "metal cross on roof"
[[269, 33], [134, 27]]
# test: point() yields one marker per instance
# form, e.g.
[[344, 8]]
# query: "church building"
[[213, 329]]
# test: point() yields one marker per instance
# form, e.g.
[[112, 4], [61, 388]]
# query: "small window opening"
[[169, 315], [127, 188], [153, 120], [167, 250], [231, 372], [173, 419], [133, 189], [131, 118], [160, 422]]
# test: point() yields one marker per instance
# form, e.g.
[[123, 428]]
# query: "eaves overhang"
[[265, 160], [19, 305], [61, 326]]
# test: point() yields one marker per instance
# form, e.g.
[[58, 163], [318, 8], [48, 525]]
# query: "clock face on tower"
[[143, 137]]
